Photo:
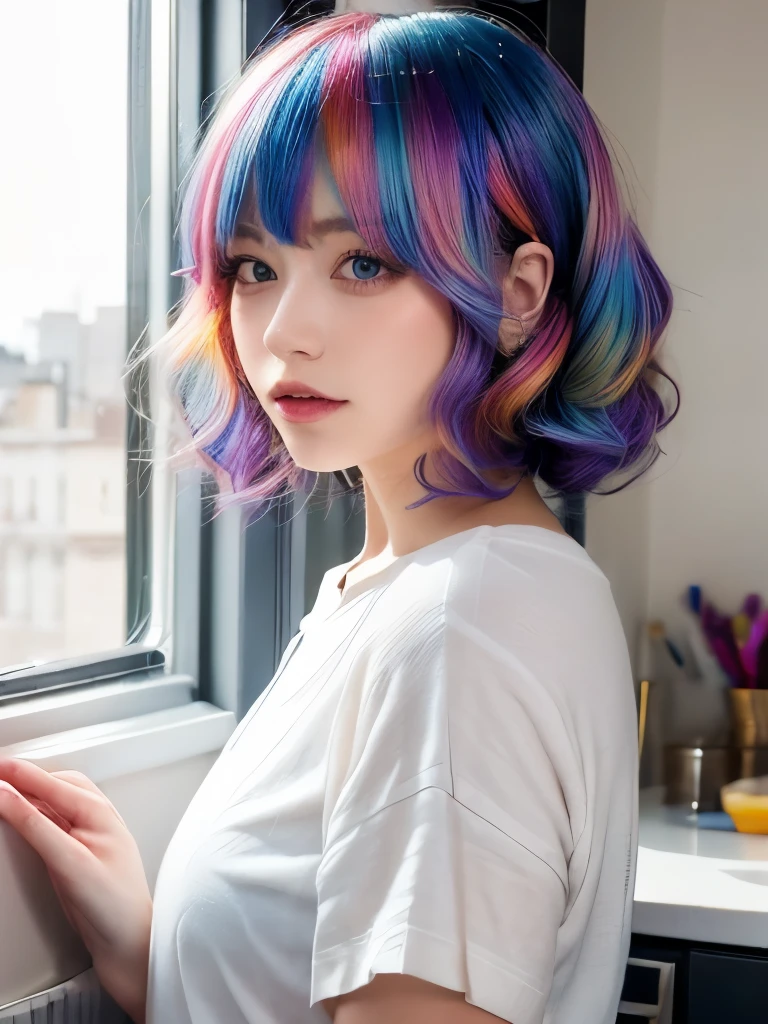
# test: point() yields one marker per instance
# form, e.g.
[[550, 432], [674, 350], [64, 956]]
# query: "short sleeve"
[[447, 846]]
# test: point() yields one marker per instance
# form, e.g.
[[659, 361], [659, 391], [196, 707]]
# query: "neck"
[[391, 528]]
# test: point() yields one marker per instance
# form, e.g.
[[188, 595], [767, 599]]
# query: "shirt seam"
[[470, 810]]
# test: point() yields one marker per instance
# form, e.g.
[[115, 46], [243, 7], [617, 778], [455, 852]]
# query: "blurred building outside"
[[62, 489]]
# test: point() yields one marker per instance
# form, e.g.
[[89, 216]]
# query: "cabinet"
[[712, 984]]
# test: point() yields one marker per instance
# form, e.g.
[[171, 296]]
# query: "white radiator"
[[81, 1000]]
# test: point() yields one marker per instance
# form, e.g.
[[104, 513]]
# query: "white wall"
[[681, 87]]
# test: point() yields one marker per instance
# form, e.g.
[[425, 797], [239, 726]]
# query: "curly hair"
[[452, 138]]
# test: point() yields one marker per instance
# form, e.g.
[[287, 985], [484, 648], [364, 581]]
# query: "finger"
[[49, 812], [55, 846], [78, 779], [76, 803]]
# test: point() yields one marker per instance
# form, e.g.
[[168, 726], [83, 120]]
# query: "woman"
[[407, 253]]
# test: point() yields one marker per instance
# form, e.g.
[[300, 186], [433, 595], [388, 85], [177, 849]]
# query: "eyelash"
[[231, 266]]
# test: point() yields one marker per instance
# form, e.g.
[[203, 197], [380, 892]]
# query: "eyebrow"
[[318, 228]]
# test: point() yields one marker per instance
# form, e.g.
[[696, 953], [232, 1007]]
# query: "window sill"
[[114, 729], [31, 715]]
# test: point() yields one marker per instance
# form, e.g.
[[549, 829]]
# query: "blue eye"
[[261, 271], [370, 266], [367, 269], [258, 271]]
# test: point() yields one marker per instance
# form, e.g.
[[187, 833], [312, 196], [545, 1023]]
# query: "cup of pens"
[[740, 645], [738, 648], [704, 700]]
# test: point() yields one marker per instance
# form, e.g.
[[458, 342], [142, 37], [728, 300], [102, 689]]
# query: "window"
[[63, 207]]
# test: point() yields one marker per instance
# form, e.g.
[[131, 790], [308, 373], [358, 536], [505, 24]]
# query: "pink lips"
[[311, 404], [306, 410]]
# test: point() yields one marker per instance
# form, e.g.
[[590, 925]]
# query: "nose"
[[296, 327]]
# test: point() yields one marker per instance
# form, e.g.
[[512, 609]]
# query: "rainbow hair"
[[450, 137]]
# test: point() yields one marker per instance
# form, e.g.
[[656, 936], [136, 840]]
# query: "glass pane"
[[64, 83]]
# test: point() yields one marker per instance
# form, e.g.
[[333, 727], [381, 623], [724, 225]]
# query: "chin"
[[322, 462]]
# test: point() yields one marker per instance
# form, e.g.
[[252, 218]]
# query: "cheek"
[[247, 332], [419, 345]]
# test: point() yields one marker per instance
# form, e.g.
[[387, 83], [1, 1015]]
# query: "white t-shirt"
[[440, 780]]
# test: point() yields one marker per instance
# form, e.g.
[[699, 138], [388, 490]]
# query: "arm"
[[126, 982], [407, 1000]]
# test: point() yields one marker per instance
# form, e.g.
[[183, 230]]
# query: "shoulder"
[[512, 583], [501, 573], [496, 599], [534, 605]]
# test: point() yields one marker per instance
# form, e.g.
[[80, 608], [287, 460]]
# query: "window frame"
[[137, 433]]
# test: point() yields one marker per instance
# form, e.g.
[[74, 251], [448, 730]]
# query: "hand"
[[95, 868]]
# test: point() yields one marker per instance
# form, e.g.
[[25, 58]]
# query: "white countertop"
[[698, 884]]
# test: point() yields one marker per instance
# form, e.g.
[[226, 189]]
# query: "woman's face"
[[334, 320]]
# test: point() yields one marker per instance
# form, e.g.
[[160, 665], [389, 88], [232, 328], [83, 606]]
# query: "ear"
[[525, 286]]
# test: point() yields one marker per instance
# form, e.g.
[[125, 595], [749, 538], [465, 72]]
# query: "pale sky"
[[63, 79]]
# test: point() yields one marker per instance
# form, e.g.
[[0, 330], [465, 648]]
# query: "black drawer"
[[727, 989], [713, 984]]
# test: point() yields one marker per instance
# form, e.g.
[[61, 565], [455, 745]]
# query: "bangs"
[[393, 117], [271, 161]]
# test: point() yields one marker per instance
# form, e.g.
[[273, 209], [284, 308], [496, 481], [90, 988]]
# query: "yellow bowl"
[[746, 800]]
